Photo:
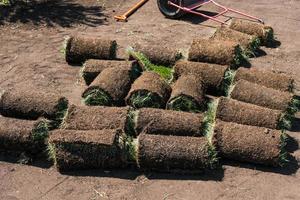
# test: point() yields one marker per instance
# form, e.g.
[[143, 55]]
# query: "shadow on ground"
[[290, 168], [64, 13]]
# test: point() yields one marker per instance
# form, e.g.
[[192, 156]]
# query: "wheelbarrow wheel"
[[170, 11]]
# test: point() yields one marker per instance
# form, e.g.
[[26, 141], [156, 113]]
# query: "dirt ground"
[[30, 58]]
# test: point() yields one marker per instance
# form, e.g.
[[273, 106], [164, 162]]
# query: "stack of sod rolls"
[[251, 144], [248, 43], [33, 104], [187, 94], [77, 149], [265, 33], [92, 68], [23, 135], [231, 110], [168, 122], [217, 79], [78, 49], [217, 51], [175, 153], [111, 86], [149, 90], [266, 78], [158, 54]]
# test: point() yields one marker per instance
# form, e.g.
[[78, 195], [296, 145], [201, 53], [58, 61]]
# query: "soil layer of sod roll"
[[211, 74], [92, 67], [265, 33], [175, 153], [261, 95], [216, 51], [168, 122], [149, 90], [80, 48], [187, 94], [23, 135], [111, 86], [96, 118], [249, 43], [266, 78], [159, 54], [250, 143], [231, 110], [32, 104], [75, 149]]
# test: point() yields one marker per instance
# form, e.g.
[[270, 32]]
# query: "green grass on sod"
[[164, 72], [97, 97], [227, 82], [184, 103], [254, 45], [142, 99], [62, 109], [240, 58], [283, 156], [40, 132]]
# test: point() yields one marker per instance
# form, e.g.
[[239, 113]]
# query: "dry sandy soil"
[[30, 41]]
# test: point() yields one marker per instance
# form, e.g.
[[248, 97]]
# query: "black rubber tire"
[[170, 11]]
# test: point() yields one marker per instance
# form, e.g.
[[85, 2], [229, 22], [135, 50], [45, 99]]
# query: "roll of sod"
[[97, 118], [261, 95], [92, 68], [23, 135], [269, 79], [159, 54], [175, 153], [75, 149], [215, 77], [33, 104], [187, 94], [265, 33], [216, 51], [249, 43], [250, 144], [231, 110], [149, 90], [78, 49], [158, 121], [110, 87]]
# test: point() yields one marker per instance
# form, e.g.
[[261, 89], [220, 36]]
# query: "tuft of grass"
[[141, 99], [165, 72], [97, 97], [213, 162], [294, 106], [227, 82], [62, 108], [131, 122], [283, 156], [240, 58], [269, 36], [254, 45], [131, 149], [285, 122], [40, 131], [210, 119], [63, 48], [51, 149], [184, 103]]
